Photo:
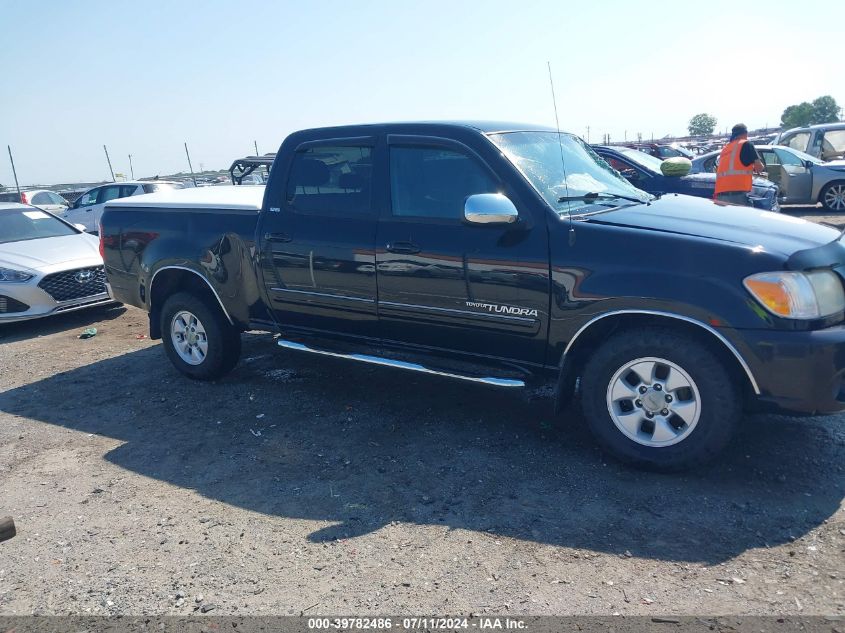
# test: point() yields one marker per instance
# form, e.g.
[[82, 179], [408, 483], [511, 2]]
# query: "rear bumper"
[[797, 372]]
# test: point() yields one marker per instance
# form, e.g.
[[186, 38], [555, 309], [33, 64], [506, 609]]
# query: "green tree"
[[702, 124], [797, 115], [822, 110], [825, 110]]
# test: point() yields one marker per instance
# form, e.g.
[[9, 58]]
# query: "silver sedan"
[[47, 266], [802, 179]]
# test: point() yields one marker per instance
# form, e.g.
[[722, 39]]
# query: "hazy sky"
[[144, 77]]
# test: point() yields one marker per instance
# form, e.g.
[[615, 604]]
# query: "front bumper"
[[29, 300], [797, 372]]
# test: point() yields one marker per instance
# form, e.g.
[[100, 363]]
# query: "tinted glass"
[[10, 197], [127, 190], [30, 224], [331, 181], [56, 198], [158, 186], [109, 193], [435, 183]]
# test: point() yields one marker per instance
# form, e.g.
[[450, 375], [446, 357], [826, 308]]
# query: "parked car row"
[[643, 171], [88, 208], [801, 178]]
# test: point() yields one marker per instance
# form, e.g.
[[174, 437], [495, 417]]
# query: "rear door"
[[318, 237], [774, 169], [81, 212], [444, 284]]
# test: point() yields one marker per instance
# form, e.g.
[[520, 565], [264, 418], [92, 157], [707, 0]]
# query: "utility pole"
[[626, 135], [14, 173], [194, 178], [256, 147], [105, 149], [588, 135], [131, 170]]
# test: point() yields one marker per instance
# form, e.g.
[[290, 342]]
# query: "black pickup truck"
[[502, 254]]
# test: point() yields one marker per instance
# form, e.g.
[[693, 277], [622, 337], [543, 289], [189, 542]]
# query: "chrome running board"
[[398, 364]]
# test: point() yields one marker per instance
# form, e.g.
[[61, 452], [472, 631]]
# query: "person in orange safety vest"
[[738, 163]]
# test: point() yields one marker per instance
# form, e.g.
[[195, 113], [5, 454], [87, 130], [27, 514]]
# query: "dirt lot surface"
[[306, 485]]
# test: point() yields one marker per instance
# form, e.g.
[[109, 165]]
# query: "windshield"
[[538, 156], [652, 163], [30, 224]]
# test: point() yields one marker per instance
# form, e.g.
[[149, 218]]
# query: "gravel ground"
[[317, 486]]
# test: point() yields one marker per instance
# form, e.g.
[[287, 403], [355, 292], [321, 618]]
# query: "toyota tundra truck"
[[503, 254]]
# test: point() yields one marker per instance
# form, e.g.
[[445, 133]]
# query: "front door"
[[796, 180], [317, 240], [445, 284]]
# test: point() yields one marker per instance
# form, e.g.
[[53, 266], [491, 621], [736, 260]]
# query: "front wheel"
[[659, 399], [197, 337], [832, 197]]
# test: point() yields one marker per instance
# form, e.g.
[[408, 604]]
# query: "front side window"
[[331, 180], [770, 157], [431, 182], [833, 144], [88, 198], [788, 158], [798, 141]]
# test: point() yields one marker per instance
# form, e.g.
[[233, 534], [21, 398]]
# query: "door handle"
[[277, 237], [403, 248]]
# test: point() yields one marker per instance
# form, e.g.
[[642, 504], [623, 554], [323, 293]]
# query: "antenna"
[[562, 161]]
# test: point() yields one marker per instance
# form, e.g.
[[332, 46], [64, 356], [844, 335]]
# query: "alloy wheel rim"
[[653, 402], [189, 337], [834, 198]]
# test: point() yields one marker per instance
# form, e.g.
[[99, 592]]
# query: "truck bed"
[[243, 198]]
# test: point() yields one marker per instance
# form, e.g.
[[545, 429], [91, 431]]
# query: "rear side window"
[[56, 198], [430, 182], [331, 181], [158, 186], [10, 197], [127, 190], [109, 193], [41, 198]]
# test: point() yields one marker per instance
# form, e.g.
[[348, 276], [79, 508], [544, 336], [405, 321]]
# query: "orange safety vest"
[[731, 174]]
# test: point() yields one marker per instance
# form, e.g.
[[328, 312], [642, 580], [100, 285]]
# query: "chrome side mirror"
[[490, 208]]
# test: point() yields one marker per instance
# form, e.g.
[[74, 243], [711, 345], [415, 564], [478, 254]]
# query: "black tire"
[[223, 340], [824, 192], [720, 398]]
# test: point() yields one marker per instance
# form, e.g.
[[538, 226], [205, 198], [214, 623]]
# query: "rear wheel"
[[198, 339], [832, 197], [659, 399]]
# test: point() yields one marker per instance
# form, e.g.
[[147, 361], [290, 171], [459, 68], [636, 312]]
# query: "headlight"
[[9, 275], [792, 295]]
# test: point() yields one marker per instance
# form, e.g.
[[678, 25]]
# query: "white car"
[[41, 198], [47, 266], [88, 208]]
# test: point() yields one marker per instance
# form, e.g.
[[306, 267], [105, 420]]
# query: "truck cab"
[[500, 253]]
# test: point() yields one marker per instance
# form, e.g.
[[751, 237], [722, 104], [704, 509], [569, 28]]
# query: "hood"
[[703, 176], [838, 164], [49, 253], [699, 217]]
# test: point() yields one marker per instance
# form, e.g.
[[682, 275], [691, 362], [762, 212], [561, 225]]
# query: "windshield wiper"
[[594, 195]]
